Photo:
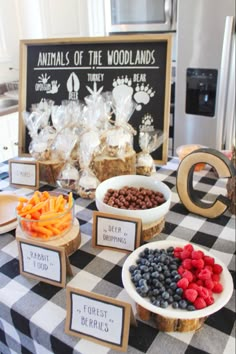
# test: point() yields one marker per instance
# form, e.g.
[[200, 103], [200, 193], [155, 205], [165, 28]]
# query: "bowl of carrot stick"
[[45, 215]]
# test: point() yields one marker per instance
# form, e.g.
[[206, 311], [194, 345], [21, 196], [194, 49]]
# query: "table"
[[32, 313]]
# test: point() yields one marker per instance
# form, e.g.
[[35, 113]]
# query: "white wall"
[[31, 19]]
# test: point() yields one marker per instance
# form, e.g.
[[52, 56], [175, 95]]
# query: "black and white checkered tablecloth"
[[32, 313]]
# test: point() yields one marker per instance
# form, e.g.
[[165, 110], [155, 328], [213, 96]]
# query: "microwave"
[[134, 16]]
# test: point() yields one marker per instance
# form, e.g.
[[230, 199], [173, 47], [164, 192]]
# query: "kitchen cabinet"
[[8, 136]]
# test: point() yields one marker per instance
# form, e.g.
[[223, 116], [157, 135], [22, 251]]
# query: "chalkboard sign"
[[64, 69]]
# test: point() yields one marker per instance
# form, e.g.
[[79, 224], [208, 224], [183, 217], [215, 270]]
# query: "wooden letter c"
[[184, 182]]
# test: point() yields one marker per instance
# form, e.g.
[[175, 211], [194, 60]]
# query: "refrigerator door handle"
[[229, 126], [224, 77]]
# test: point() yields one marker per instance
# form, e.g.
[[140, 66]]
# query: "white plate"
[[9, 227], [220, 299], [8, 203]]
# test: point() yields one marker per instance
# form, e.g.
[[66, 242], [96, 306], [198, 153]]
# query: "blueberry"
[[168, 281], [170, 291], [159, 284], [132, 268], [161, 277], [177, 277], [166, 273], [144, 268], [179, 291], [164, 304], [191, 308], [157, 303], [173, 266], [137, 277], [155, 275], [162, 289], [146, 276], [174, 272], [142, 282], [155, 292], [162, 258], [155, 282], [173, 285], [165, 295], [176, 297], [170, 249], [175, 305], [183, 304], [170, 300]]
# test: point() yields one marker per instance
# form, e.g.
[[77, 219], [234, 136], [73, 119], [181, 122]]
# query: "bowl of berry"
[[134, 196], [177, 284]]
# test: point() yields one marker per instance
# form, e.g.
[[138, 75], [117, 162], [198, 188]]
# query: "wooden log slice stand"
[[70, 241], [151, 230], [49, 171], [166, 324], [105, 167]]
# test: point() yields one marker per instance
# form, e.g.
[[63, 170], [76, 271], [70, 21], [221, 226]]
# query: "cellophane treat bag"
[[149, 141]]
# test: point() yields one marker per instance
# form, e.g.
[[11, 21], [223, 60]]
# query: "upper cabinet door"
[[70, 18]]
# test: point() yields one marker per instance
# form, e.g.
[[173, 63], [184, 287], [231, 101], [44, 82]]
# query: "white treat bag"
[[119, 137], [88, 182], [149, 141]]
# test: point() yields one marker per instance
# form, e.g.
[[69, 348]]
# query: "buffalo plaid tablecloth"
[[32, 313]]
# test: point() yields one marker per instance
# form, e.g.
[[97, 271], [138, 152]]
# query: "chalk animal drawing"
[[142, 95], [147, 123], [43, 78], [73, 86], [54, 87], [94, 91], [122, 88]]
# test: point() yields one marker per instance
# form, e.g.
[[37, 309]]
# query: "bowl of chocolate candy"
[[134, 196]]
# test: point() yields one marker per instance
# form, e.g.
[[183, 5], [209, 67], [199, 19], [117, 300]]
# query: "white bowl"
[[148, 216], [220, 299]]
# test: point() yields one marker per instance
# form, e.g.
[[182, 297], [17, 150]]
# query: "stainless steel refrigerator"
[[205, 73]]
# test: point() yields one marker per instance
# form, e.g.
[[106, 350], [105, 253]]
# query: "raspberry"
[[191, 294], [185, 254], [215, 277], [209, 260], [187, 263], [198, 263], [217, 269], [209, 300], [177, 254], [188, 247], [187, 274], [199, 303], [209, 284], [193, 286], [203, 292], [181, 270], [199, 282], [178, 249], [218, 288], [209, 267], [183, 283], [204, 274], [197, 254]]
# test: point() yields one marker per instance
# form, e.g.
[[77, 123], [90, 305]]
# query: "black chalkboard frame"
[[153, 43]]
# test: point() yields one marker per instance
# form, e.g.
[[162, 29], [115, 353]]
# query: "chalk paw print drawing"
[[143, 94], [43, 78], [147, 123], [122, 88]]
